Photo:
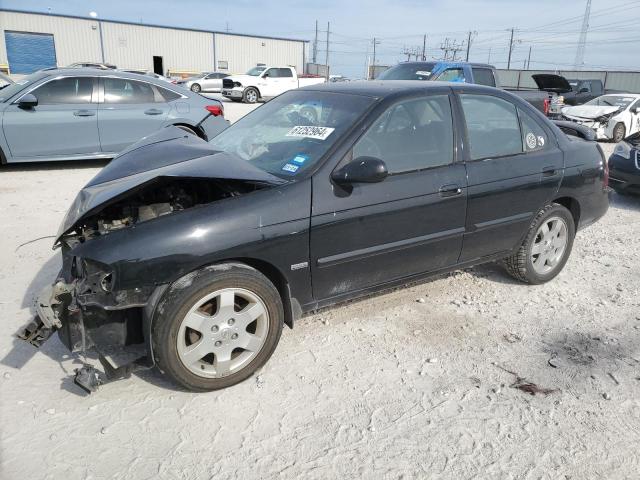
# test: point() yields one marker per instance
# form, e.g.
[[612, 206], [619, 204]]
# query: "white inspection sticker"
[[319, 133]]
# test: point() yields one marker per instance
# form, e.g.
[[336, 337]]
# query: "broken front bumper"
[[47, 320]]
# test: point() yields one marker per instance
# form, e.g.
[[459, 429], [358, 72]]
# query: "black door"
[[411, 222], [514, 167], [157, 65]]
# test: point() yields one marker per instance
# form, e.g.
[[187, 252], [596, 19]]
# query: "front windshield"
[[255, 71], [408, 71], [291, 133], [10, 90], [611, 101]]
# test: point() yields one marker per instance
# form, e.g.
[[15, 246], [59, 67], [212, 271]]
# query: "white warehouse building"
[[32, 41]]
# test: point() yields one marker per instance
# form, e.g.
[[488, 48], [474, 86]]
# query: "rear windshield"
[[612, 101], [9, 91], [291, 133], [408, 71]]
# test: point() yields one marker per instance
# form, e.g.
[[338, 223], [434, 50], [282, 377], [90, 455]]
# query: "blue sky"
[[551, 28]]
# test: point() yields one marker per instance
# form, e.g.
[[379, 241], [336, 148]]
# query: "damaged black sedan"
[[200, 252]]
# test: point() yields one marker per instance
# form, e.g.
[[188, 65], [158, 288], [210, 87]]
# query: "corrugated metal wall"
[[623, 81], [242, 53], [75, 39], [133, 46]]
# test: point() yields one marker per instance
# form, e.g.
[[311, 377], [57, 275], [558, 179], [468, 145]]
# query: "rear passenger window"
[[411, 135], [484, 76], [122, 90], [492, 126], [451, 75], [533, 136]]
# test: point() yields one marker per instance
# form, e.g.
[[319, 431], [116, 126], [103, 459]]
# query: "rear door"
[[63, 124], [129, 110], [411, 222], [514, 167]]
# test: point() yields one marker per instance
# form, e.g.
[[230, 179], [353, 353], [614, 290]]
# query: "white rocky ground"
[[411, 384]]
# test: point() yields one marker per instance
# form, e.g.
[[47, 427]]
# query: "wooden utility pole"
[[529, 59], [424, 47], [468, 46], [315, 44], [510, 50], [326, 56]]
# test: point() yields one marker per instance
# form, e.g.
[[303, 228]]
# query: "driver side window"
[[411, 135]]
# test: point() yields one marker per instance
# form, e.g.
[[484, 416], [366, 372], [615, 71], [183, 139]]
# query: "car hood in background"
[[589, 111], [551, 83], [171, 152]]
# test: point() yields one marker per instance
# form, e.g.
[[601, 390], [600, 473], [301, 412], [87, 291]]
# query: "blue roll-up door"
[[28, 52]]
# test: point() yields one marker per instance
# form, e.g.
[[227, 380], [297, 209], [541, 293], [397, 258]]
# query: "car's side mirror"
[[636, 110], [361, 170], [28, 101], [583, 90], [265, 74]]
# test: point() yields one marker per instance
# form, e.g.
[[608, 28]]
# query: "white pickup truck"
[[263, 82]]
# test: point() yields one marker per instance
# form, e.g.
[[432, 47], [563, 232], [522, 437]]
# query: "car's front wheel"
[[251, 95], [196, 88], [619, 132], [216, 327], [546, 248]]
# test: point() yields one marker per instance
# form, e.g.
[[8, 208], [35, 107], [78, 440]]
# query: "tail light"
[[545, 106], [215, 110]]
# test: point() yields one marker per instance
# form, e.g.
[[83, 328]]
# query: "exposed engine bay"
[[163, 196]]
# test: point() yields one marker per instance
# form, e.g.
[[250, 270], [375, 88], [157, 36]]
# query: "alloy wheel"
[[549, 245], [223, 332]]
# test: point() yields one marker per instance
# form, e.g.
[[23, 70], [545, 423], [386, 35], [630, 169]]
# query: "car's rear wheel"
[[546, 248], [619, 132], [251, 95], [196, 88], [218, 328]]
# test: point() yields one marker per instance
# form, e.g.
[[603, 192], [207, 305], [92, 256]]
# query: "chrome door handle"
[[549, 171], [153, 111], [84, 113], [449, 190]]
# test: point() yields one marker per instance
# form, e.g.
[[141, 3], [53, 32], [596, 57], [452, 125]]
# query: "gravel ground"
[[416, 383]]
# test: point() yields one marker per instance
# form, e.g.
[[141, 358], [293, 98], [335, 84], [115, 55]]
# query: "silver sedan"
[[207, 82]]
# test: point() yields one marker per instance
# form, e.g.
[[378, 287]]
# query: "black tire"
[[520, 264], [179, 299], [196, 88], [250, 95], [619, 132]]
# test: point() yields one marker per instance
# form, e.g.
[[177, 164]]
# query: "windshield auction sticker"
[[319, 133]]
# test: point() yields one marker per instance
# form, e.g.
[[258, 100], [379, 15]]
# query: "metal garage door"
[[28, 52]]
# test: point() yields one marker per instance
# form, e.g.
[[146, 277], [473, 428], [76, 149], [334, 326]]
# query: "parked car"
[[464, 72], [202, 255], [579, 92], [207, 82], [612, 116], [73, 114], [263, 82], [624, 166], [99, 65]]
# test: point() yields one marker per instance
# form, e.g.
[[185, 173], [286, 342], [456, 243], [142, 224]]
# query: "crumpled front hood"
[[242, 78], [171, 152], [588, 111]]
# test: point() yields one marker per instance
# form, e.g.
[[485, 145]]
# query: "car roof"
[[98, 72], [635, 95], [385, 88], [447, 62]]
